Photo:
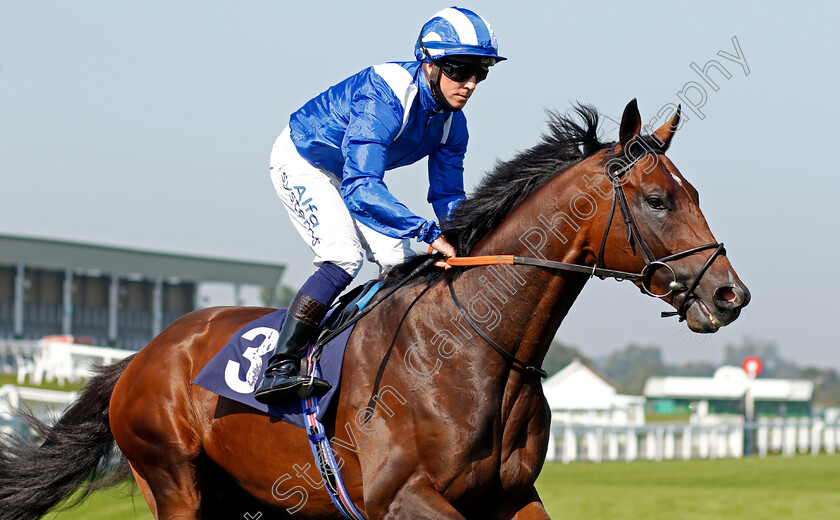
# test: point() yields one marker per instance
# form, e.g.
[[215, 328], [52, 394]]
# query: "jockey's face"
[[457, 93]]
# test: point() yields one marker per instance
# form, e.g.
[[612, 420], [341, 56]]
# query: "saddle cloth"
[[239, 366]]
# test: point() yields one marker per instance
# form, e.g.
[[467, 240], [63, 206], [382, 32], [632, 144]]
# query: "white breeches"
[[312, 199]]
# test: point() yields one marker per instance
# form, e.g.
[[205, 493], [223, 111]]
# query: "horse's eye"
[[655, 203]]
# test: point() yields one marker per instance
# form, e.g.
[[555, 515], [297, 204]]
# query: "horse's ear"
[[631, 123], [666, 132]]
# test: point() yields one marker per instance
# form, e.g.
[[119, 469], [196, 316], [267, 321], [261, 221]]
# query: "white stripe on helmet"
[[463, 26], [493, 41], [433, 37]]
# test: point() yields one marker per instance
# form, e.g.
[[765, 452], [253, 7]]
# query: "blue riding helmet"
[[456, 31]]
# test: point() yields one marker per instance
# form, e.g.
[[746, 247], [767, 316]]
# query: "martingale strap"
[[510, 358]]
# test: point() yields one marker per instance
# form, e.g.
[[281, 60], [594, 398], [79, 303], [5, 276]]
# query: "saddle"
[[348, 306]]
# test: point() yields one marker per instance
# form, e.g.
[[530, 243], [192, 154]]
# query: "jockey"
[[328, 166]]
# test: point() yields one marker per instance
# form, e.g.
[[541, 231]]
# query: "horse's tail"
[[78, 452]]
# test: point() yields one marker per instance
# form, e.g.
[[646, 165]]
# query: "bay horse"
[[430, 422]]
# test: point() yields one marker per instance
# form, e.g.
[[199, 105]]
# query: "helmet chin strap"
[[437, 93]]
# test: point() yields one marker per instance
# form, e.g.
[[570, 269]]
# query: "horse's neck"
[[533, 301]]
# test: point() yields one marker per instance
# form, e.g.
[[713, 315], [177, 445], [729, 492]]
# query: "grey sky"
[[149, 125]]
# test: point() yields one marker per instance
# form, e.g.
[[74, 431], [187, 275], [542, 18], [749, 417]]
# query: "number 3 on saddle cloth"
[[238, 367]]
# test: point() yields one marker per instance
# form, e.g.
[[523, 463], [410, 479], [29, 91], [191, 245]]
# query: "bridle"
[[634, 236], [644, 278]]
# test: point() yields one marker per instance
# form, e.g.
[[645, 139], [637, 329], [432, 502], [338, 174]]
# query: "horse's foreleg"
[[531, 508]]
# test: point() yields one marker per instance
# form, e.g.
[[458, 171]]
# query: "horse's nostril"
[[726, 294]]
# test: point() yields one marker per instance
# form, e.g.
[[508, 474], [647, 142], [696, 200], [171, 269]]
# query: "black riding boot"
[[282, 380]]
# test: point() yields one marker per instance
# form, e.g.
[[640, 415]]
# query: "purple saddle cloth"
[[238, 368]]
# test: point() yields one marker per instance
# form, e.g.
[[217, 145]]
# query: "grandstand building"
[[107, 295]]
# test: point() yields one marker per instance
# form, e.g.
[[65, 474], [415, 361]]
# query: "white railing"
[[569, 443], [792, 436], [46, 405], [47, 360], [14, 353]]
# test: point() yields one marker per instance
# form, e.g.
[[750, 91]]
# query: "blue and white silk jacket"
[[385, 117]]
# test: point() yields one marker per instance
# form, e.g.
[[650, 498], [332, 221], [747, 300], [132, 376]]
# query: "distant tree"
[[280, 299], [630, 368], [691, 369], [767, 352], [826, 385], [559, 355]]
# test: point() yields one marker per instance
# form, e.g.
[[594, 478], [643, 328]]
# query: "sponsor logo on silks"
[[306, 211]]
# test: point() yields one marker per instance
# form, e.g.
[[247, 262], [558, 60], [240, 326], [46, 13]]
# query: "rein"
[[475, 261]]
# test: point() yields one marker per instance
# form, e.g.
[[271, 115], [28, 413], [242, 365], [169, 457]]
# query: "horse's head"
[[573, 201], [671, 242]]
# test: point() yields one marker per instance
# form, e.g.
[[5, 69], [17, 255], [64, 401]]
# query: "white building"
[[591, 421], [580, 395]]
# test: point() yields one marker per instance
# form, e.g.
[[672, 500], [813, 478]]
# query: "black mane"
[[570, 139], [566, 143]]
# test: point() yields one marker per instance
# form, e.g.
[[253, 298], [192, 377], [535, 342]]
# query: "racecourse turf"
[[111, 504], [775, 488], [802, 487]]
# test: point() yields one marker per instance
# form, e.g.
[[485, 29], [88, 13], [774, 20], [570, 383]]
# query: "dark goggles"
[[460, 72]]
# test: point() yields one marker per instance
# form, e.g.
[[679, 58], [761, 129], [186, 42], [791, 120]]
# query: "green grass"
[[11, 379], [652, 417], [802, 487], [109, 504], [775, 488]]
